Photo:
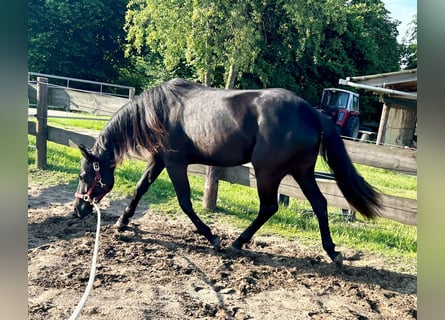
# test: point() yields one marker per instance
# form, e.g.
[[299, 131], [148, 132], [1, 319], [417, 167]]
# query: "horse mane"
[[138, 127]]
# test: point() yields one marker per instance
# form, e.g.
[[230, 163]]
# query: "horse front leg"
[[154, 168], [178, 176]]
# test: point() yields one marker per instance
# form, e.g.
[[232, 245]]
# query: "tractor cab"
[[343, 108]]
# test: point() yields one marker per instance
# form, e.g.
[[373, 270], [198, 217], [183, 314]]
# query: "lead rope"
[[92, 272]]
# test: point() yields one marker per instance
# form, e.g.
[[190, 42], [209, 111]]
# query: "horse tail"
[[358, 192]]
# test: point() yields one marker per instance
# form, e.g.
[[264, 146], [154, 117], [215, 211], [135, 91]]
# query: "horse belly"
[[223, 147]]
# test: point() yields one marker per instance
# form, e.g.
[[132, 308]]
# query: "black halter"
[[97, 181]]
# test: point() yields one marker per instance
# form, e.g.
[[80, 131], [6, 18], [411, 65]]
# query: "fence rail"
[[399, 209], [69, 84]]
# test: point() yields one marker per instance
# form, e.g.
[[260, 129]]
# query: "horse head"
[[96, 179]]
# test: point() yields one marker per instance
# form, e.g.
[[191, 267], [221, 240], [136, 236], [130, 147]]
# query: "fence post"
[[383, 121], [42, 126], [211, 188], [131, 93]]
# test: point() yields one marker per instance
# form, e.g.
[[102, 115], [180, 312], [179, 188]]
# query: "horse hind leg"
[[318, 202], [152, 171], [178, 176], [267, 185]]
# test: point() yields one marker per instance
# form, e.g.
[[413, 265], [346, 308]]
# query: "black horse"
[[181, 122]]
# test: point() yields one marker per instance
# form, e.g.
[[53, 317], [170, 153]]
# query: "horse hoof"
[[237, 245], [120, 225], [216, 243], [338, 260]]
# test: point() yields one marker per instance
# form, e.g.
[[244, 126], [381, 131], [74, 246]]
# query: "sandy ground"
[[161, 269]]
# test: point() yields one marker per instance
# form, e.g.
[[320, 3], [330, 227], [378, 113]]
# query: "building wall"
[[401, 125]]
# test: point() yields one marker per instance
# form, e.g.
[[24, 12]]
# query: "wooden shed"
[[398, 93]]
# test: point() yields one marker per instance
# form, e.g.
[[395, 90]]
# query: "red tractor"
[[342, 106]]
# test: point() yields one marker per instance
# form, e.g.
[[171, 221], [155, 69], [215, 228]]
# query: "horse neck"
[[104, 149], [110, 143], [134, 130]]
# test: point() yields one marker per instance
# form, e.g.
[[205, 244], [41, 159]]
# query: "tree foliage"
[[409, 53], [300, 45], [76, 38], [206, 35]]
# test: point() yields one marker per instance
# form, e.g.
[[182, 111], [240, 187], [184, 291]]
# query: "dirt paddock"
[[161, 269]]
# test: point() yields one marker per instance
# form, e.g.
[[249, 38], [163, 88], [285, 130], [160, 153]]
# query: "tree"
[[409, 42], [76, 38], [359, 38], [206, 35], [309, 45]]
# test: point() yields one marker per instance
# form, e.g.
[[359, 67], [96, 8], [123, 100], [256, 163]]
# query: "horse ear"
[[86, 154]]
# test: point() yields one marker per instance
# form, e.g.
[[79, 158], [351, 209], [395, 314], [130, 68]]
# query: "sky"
[[402, 10]]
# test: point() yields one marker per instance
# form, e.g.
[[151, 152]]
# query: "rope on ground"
[[84, 298]]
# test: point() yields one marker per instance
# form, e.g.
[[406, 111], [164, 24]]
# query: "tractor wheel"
[[351, 127]]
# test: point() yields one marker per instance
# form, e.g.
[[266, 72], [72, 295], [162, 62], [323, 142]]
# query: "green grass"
[[238, 205], [386, 181], [93, 124]]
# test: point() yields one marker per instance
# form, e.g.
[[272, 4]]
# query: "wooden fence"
[[400, 209], [64, 94]]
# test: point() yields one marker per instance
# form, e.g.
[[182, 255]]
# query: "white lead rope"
[[92, 272]]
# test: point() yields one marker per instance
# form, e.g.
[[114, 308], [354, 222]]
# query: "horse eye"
[[81, 176]]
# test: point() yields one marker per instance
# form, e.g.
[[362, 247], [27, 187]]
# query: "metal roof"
[[405, 80], [400, 84]]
